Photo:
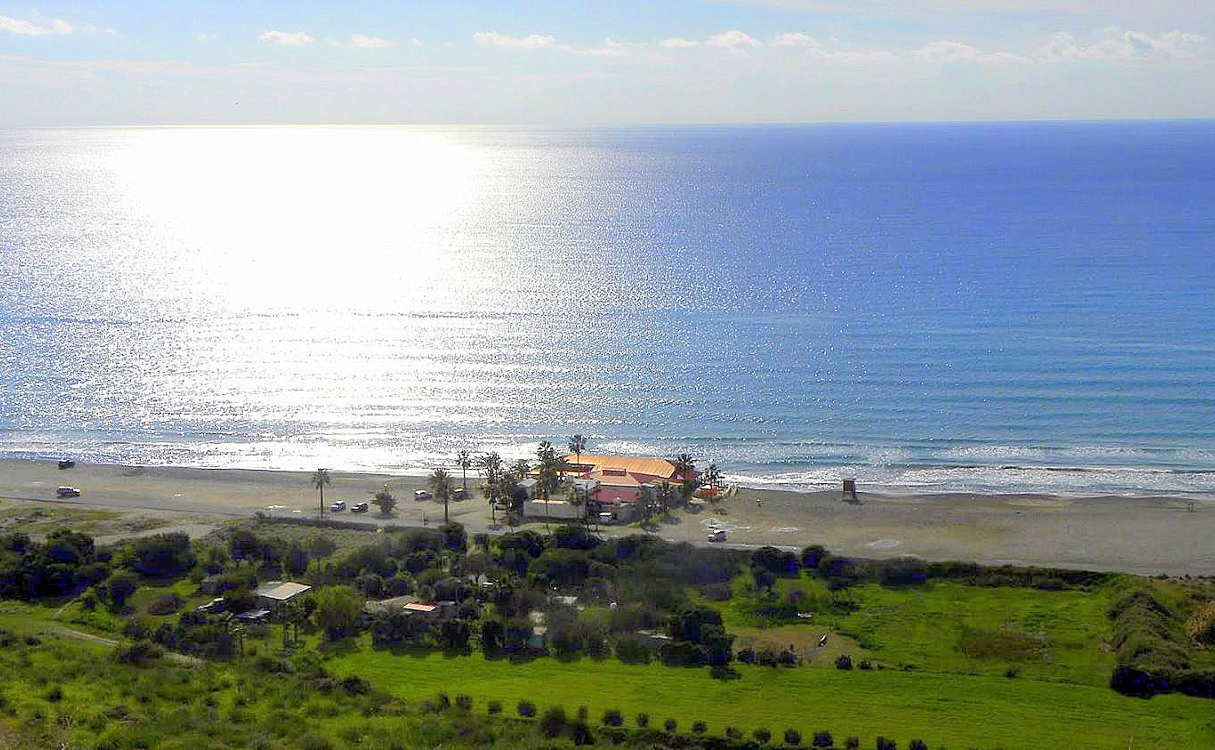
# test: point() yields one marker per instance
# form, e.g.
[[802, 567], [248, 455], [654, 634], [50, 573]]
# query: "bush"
[[166, 604], [852, 743], [699, 727], [464, 701], [358, 686], [120, 586], [865, 664], [612, 717], [885, 744], [822, 739], [670, 725], [733, 733], [584, 713], [917, 745], [843, 661], [139, 652], [553, 721], [793, 737], [54, 695], [643, 720], [526, 709], [495, 707], [761, 735]]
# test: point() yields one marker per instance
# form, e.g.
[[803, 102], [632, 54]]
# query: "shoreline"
[[1143, 535]]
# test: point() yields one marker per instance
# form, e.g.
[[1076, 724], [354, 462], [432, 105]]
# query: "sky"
[[575, 62]]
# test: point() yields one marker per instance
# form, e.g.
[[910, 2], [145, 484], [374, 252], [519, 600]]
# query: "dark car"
[[67, 492], [66, 463]]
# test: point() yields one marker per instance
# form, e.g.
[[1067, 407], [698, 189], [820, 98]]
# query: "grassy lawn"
[[945, 627], [944, 710]]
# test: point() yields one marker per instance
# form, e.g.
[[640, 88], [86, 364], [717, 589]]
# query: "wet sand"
[[1146, 535]]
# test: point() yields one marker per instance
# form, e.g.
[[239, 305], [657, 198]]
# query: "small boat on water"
[[66, 463]]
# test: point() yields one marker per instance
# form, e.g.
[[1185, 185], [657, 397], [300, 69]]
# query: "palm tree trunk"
[[321, 487], [445, 521]]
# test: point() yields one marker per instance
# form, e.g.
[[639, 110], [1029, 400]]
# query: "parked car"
[[421, 495], [358, 508], [211, 607], [717, 535], [66, 463], [459, 493], [338, 506], [67, 492]]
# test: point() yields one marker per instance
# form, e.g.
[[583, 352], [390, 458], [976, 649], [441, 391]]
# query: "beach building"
[[616, 482]]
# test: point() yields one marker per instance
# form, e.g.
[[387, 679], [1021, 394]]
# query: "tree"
[[384, 500], [120, 586], [664, 494], [440, 487], [491, 467], [711, 477], [464, 461], [761, 735], [647, 505], [576, 446], [320, 478], [548, 470], [685, 470], [793, 737], [337, 610]]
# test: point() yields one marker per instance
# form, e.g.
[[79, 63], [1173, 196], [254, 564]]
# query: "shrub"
[[612, 717], [139, 652], [583, 713], [495, 707], [315, 742], [670, 725], [54, 695], [917, 745], [166, 604], [852, 743], [885, 744], [761, 735], [865, 664], [632, 649], [526, 709], [553, 721], [358, 686], [643, 720], [734, 733], [843, 661], [464, 701], [746, 655], [699, 727], [793, 737], [120, 586], [822, 739]]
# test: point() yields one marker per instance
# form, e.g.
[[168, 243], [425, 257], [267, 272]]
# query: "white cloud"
[[531, 41], [677, 42], [1119, 44], [364, 41], [203, 36], [609, 48], [950, 51], [55, 26], [733, 39], [795, 39], [414, 41], [287, 38]]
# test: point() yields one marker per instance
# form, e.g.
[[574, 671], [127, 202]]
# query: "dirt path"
[[79, 635]]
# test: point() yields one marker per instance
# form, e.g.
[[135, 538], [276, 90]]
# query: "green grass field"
[[946, 627], [943, 709]]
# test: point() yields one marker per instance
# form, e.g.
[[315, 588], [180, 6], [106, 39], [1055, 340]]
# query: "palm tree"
[[491, 465], [320, 478], [685, 467], [464, 460], [548, 470], [663, 494], [711, 477], [440, 487], [522, 468], [576, 446]]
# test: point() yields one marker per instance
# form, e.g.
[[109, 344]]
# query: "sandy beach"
[[1145, 535]]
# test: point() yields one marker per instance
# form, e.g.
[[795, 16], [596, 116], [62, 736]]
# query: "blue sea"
[[927, 307]]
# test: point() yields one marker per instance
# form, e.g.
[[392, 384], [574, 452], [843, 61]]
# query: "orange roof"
[[613, 478], [658, 467]]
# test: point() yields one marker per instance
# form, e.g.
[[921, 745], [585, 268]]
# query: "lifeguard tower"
[[849, 493]]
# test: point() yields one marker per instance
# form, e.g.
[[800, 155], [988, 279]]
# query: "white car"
[[338, 506], [67, 492], [421, 495], [717, 535]]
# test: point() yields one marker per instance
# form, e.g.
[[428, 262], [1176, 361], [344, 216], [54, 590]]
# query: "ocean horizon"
[[927, 307]]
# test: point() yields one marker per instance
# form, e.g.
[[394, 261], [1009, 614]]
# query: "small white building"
[[272, 595]]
